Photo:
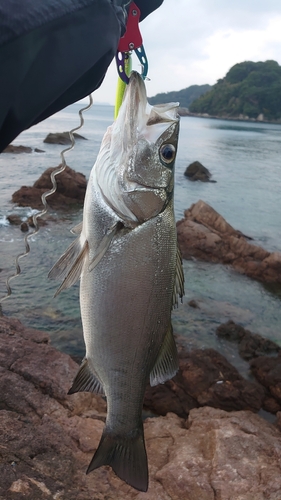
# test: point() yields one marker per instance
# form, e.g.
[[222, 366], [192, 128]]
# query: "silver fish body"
[[130, 268]]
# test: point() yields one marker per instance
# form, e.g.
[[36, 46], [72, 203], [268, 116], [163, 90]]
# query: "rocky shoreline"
[[240, 118], [205, 235], [48, 438]]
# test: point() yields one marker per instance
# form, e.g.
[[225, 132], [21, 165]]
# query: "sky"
[[189, 42]]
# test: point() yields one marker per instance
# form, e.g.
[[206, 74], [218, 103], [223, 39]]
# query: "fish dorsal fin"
[[77, 229], [104, 244], [86, 381], [167, 363], [179, 281], [69, 266]]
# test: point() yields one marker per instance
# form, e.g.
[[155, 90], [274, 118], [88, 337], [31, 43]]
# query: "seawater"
[[244, 159]]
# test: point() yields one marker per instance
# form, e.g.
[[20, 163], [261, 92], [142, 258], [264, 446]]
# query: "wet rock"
[[250, 345], [205, 378], [40, 221], [61, 138], [267, 371], [197, 172], [17, 149], [205, 235], [14, 219], [37, 150], [71, 188], [24, 227], [194, 304], [48, 438]]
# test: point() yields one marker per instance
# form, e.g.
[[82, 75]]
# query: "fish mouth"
[[132, 114], [137, 118]]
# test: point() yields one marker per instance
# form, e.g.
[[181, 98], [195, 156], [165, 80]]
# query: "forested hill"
[[249, 89], [185, 97]]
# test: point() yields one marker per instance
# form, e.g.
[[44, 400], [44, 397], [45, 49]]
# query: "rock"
[[24, 227], [205, 235], [14, 219], [17, 149], [197, 172], [48, 438], [40, 221], [194, 304], [71, 188], [37, 150], [61, 138], [250, 345], [205, 378], [267, 371]]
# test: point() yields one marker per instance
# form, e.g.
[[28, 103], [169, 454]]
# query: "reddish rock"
[[267, 370], [48, 438], [205, 235], [71, 188], [205, 378]]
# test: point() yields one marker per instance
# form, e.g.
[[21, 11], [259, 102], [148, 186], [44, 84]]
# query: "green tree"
[[248, 88]]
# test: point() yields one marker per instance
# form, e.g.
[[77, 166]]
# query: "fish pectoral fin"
[[69, 266], [126, 455], [179, 280], [167, 363], [104, 244], [77, 229], [86, 381]]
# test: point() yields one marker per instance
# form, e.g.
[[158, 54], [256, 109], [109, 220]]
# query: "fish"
[[130, 269]]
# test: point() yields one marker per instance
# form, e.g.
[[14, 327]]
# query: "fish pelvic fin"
[[77, 229], [167, 363], [70, 264], [86, 381], [179, 281], [104, 244], [126, 455]]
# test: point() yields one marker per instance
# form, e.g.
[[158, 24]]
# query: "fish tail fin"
[[126, 455]]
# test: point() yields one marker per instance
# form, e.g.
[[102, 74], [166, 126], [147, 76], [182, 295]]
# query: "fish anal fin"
[[104, 244], [86, 381], [179, 280], [126, 455], [167, 364]]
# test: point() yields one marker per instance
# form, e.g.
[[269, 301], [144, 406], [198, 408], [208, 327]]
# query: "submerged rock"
[[48, 438], [205, 234], [71, 188], [61, 138], [250, 345], [197, 172]]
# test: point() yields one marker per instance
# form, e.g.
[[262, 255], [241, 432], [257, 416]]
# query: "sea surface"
[[245, 160]]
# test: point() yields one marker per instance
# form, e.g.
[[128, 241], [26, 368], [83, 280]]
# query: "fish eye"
[[167, 153]]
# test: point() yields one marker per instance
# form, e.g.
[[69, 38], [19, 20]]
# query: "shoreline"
[[185, 112]]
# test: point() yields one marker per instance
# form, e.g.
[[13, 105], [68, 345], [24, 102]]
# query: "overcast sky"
[[189, 42]]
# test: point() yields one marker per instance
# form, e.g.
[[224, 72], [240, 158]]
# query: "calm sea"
[[245, 160]]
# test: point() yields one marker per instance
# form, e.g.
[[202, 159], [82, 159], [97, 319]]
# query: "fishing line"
[[45, 195]]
